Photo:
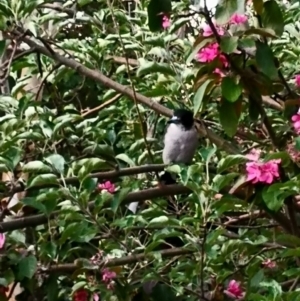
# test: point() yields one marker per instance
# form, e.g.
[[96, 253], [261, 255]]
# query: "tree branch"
[[71, 267], [139, 196], [107, 175]]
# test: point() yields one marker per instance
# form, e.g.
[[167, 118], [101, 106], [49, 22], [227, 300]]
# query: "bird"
[[180, 141], [180, 144]]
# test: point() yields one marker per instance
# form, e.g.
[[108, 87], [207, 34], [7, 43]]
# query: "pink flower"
[[254, 154], [234, 290], [107, 186], [96, 297], [108, 276], [264, 172], [166, 22], [296, 122], [268, 263], [207, 31], [2, 240], [219, 72], [238, 19], [297, 80], [223, 60], [208, 54]]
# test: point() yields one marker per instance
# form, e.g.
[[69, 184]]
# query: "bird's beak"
[[173, 119]]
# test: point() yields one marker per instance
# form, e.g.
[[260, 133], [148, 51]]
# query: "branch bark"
[[139, 196], [107, 175], [71, 267]]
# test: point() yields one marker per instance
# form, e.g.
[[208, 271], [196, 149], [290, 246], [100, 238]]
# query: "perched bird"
[[181, 138], [180, 141], [180, 144]]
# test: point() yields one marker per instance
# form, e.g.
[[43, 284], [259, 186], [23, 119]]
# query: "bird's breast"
[[179, 144]]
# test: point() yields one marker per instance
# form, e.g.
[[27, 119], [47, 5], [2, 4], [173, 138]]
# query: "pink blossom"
[[254, 154], [2, 240], [296, 122], [108, 276], [268, 263], [166, 22], [238, 19], [219, 72], [223, 60], [207, 31], [297, 80], [264, 172], [208, 54], [96, 297], [234, 290], [107, 186]]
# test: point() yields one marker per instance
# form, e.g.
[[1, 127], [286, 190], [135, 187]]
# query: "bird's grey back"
[[179, 144]]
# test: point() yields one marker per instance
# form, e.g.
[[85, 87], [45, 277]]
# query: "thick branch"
[[139, 196], [71, 267], [107, 175]]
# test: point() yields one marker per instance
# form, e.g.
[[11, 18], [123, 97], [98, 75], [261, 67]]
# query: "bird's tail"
[[167, 179]]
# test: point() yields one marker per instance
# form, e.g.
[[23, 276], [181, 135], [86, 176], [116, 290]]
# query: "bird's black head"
[[184, 117]]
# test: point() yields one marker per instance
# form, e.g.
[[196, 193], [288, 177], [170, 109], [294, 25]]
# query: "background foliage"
[[86, 87]]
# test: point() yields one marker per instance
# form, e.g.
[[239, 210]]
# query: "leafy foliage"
[[85, 92]]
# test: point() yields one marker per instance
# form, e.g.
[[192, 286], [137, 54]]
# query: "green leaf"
[[175, 168], [272, 17], [229, 44], [78, 285], [199, 96], [230, 161], [230, 89], [7, 278], [44, 180], [265, 60], [264, 32], [72, 231], [159, 220], [118, 198], [221, 181], [27, 267], [18, 237], [126, 159], [275, 195], [32, 202], [289, 241], [224, 10], [50, 206], [36, 166], [147, 67], [89, 165], [57, 161], [257, 278], [228, 118], [284, 156], [155, 10]]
